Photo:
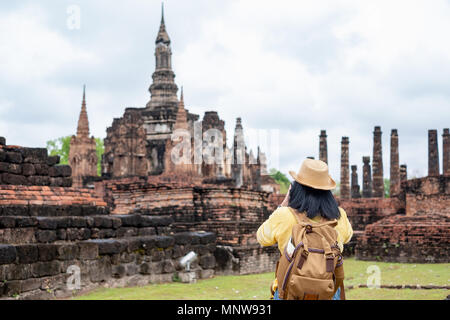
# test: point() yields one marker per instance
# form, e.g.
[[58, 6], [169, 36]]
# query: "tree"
[[281, 179], [100, 147], [60, 147], [387, 188]]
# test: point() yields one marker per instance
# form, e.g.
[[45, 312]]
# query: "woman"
[[309, 194]]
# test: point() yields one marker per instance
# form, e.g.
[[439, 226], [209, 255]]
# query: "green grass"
[[256, 287]]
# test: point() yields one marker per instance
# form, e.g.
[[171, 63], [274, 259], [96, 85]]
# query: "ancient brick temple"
[[163, 160], [157, 200], [83, 153], [146, 140], [413, 224]]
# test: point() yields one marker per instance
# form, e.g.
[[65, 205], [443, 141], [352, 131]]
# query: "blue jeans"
[[337, 295]]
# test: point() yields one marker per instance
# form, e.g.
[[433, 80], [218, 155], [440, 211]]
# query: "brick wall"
[[41, 271], [246, 259], [185, 202], [365, 211], [31, 166], [420, 238], [233, 214], [45, 230], [427, 195]]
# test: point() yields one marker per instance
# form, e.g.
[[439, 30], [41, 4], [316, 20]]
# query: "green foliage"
[[387, 186], [100, 150], [281, 179], [60, 147]]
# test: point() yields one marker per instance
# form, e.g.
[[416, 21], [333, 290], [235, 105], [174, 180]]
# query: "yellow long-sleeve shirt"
[[278, 229]]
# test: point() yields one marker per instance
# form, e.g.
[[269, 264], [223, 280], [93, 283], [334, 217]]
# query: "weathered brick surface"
[[377, 165], [323, 148], [433, 153], [185, 201], [422, 235], [394, 189], [246, 259], [38, 271], [45, 197], [420, 238], [32, 166], [345, 176], [446, 152], [427, 195], [367, 178], [362, 212]]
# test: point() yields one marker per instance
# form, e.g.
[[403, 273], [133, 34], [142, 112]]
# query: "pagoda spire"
[[163, 90], [83, 122], [163, 36], [182, 96]]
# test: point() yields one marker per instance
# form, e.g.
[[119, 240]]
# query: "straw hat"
[[314, 174]]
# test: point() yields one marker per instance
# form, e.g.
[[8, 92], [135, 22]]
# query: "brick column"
[[345, 177], [323, 149], [395, 169], [355, 186], [377, 164], [403, 173], [367, 178], [446, 152], [433, 153]]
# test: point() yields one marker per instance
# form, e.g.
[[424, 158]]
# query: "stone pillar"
[[355, 186], [395, 169], [403, 173], [367, 178], [446, 152], [377, 163], [323, 149], [433, 153], [345, 178], [238, 155]]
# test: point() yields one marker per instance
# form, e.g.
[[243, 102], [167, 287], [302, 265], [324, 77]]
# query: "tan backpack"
[[311, 267]]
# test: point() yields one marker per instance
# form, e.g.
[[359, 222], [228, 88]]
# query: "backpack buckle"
[[308, 228]]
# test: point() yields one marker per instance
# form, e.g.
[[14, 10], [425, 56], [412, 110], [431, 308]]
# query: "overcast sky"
[[292, 66]]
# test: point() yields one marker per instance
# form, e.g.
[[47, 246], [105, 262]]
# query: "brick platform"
[[364, 211]]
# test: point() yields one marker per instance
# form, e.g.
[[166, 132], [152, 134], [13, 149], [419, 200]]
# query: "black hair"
[[313, 201]]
